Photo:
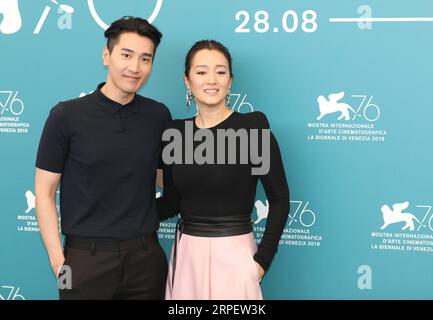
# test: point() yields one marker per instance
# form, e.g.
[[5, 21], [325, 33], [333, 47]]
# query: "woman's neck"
[[208, 117]]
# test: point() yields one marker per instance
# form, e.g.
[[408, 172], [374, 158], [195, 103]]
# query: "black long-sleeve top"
[[222, 190]]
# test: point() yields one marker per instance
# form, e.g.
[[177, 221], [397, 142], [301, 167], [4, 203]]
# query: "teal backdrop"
[[348, 95]]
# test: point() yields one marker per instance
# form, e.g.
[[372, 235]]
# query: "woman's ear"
[[186, 80]]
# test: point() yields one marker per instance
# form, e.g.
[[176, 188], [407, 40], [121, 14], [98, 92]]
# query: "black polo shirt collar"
[[112, 106]]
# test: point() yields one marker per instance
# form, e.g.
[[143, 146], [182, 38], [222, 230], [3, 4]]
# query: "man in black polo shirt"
[[104, 150]]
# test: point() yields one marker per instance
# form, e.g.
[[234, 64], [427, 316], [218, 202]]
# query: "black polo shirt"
[[107, 154]]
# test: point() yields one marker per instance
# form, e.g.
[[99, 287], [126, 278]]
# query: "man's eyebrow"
[[132, 51]]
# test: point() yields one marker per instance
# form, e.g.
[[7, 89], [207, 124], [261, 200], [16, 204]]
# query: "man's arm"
[[159, 180], [46, 183]]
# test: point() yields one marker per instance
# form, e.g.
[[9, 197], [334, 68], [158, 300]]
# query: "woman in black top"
[[212, 184]]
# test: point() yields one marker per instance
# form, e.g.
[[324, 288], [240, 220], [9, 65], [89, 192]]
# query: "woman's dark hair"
[[132, 24], [210, 45]]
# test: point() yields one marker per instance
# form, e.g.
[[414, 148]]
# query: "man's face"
[[130, 62]]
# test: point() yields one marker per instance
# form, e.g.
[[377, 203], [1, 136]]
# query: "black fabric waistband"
[[110, 245], [223, 227]]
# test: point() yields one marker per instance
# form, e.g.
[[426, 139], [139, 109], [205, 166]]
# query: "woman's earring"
[[228, 97], [188, 98]]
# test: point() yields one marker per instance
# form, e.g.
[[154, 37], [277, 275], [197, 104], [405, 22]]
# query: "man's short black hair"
[[132, 24]]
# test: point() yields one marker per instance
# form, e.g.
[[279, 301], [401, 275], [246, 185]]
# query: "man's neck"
[[113, 93]]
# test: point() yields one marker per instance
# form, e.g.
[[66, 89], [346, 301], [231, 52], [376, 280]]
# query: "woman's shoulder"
[[255, 119]]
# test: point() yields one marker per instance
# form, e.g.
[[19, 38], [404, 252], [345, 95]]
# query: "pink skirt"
[[214, 268]]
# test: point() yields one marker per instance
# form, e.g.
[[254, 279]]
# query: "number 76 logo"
[[301, 214], [12, 293], [14, 105]]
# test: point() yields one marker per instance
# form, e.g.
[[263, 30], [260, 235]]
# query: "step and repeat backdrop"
[[346, 86]]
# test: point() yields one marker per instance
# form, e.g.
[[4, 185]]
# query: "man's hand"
[[57, 264]]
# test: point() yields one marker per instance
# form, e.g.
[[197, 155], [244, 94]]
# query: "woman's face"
[[209, 78]]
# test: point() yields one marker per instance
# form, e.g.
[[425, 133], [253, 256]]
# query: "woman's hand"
[[260, 271]]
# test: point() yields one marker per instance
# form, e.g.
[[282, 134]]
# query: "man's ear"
[[105, 56]]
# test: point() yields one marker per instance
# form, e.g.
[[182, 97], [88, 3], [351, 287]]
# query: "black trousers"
[[106, 270]]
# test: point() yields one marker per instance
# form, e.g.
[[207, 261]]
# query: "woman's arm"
[[277, 193], [169, 204]]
